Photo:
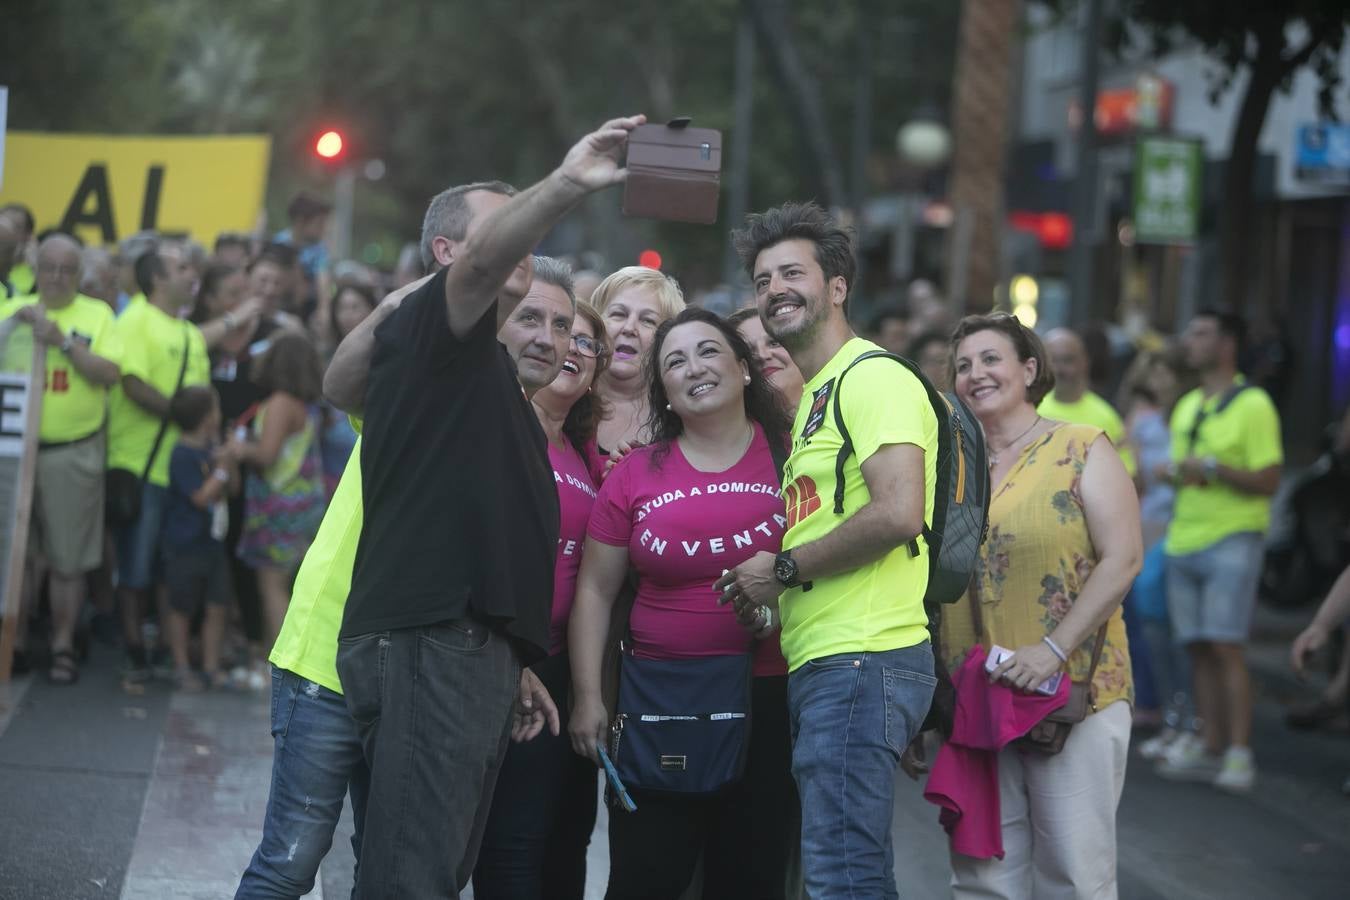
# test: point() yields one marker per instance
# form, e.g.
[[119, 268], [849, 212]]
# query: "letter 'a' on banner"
[[23, 363]]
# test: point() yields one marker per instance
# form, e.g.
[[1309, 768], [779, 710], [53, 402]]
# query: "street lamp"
[[924, 141]]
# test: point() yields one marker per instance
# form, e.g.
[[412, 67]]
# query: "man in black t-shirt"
[[452, 584]]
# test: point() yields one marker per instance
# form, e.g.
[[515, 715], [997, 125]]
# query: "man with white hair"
[[83, 354]]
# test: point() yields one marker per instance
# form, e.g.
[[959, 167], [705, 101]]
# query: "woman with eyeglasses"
[[702, 497], [543, 808]]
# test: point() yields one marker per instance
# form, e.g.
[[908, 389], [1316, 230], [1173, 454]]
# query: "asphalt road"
[[109, 795]]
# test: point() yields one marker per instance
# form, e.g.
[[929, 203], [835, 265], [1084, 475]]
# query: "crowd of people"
[[513, 530]]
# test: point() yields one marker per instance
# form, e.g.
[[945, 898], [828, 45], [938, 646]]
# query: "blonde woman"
[[633, 302]]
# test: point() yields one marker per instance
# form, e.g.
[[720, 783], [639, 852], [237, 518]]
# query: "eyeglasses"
[[587, 346]]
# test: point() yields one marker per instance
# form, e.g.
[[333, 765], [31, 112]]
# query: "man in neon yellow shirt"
[[22, 280], [320, 761], [82, 359], [9, 254], [1226, 459], [161, 353], [1072, 401], [854, 566]]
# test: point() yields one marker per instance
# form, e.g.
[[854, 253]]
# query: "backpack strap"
[[846, 440]]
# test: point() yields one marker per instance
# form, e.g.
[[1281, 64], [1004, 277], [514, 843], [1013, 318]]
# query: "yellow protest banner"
[[102, 188]]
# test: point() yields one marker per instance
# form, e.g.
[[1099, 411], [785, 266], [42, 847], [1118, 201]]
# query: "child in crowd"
[[284, 496], [195, 521]]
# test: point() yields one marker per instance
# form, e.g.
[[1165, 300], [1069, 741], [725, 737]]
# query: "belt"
[[52, 445]]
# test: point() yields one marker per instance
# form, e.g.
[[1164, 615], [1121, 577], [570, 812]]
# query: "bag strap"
[[1225, 400], [164, 421], [846, 440]]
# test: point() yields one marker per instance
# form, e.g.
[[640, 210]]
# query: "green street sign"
[[1166, 190]]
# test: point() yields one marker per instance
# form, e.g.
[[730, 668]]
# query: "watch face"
[[784, 569]]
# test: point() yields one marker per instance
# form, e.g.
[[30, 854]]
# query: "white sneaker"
[[1238, 772], [1186, 760], [1155, 748]]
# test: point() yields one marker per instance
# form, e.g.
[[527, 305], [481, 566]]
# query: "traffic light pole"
[[344, 195], [1083, 303]]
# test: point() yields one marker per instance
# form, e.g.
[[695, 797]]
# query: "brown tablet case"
[[674, 173]]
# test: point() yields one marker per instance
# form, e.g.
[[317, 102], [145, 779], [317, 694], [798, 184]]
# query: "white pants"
[[1059, 818]]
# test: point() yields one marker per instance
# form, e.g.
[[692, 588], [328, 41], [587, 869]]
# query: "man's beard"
[[804, 334]]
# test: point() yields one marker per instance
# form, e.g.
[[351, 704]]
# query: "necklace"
[[993, 457]]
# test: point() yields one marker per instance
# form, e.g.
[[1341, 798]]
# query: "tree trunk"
[[1239, 202], [802, 94], [981, 95]]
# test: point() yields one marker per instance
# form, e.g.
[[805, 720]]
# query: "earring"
[[667, 407], [747, 379]]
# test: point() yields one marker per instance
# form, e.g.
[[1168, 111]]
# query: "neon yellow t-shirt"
[[72, 406], [307, 644], [878, 606], [1091, 409], [1246, 436], [152, 350], [22, 279]]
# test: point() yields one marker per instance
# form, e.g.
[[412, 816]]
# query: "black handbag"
[[122, 487], [682, 726]]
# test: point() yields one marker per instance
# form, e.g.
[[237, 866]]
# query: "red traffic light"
[[649, 259], [329, 145]]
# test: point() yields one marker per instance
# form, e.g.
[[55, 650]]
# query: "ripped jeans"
[[316, 762]]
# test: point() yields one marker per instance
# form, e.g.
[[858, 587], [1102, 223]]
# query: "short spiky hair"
[[805, 221], [448, 215], [557, 273]]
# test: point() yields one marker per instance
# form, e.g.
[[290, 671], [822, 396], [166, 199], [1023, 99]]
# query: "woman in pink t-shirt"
[[702, 497], [543, 808]]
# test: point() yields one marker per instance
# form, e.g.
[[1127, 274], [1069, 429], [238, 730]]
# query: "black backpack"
[[960, 496], [960, 517]]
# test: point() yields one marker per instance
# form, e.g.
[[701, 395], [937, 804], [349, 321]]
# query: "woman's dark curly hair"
[[585, 415], [763, 402]]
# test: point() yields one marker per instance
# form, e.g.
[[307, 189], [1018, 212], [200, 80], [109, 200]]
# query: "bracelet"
[[221, 475], [1054, 648], [229, 320]]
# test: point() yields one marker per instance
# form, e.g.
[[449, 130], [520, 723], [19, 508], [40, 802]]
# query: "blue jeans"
[[139, 544], [316, 762], [853, 714]]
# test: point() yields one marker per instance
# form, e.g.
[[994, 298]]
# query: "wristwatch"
[[785, 569], [1211, 470], [66, 343]]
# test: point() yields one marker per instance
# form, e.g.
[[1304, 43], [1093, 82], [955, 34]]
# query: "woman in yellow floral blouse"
[[1062, 550]]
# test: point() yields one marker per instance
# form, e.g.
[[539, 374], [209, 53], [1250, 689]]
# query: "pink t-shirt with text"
[[682, 528], [576, 494]]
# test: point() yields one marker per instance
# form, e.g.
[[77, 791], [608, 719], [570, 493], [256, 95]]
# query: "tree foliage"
[[450, 90]]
